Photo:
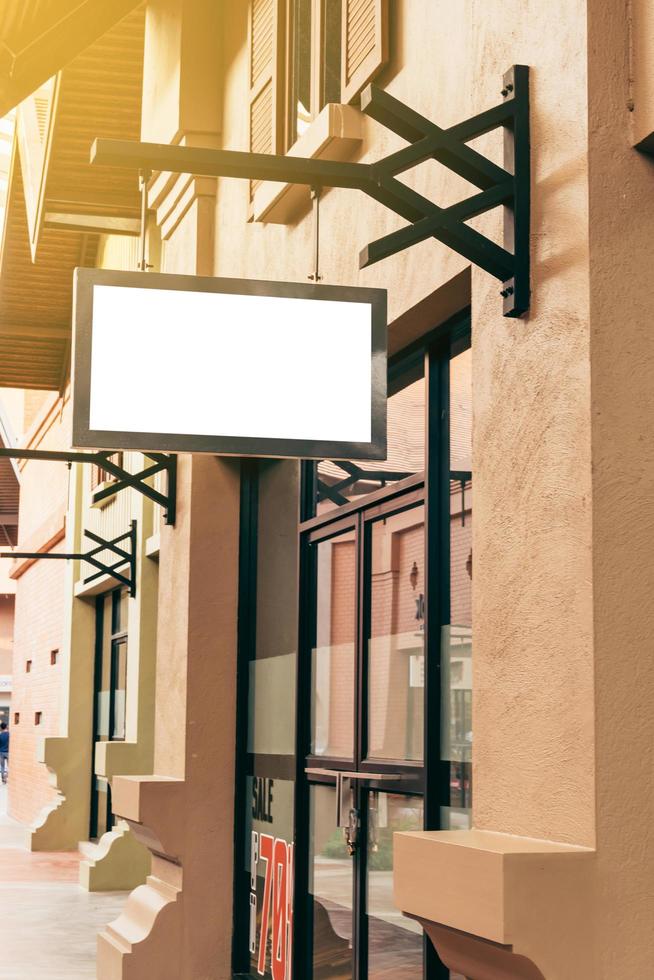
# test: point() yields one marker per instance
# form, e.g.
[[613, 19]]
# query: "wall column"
[[178, 925]]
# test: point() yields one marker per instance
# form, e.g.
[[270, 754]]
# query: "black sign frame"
[[84, 437]]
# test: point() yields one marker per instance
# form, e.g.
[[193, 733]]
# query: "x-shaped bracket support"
[[138, 481], [123, 555], [334, 491], [508, 185], [161, 463]]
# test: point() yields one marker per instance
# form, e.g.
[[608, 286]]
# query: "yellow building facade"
[[279, 647]]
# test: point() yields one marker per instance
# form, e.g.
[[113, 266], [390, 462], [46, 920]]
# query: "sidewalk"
[[49, 923]]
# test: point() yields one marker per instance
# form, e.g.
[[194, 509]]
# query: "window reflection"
[[456, 646], [396, 647], [301, 74], [342, 482], [332, 704], [394, 941], [315, 74]]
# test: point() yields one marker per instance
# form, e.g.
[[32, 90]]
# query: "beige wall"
[[562, 407], [68, 752], [622, 359], [348, 219], [531, 491]]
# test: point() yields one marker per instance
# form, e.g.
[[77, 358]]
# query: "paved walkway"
[[48, 924]]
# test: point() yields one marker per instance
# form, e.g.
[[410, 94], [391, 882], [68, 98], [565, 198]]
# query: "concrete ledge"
[[153, 545], [529, 897], [103, 584], [119, 758], [642, 70], [335, 134], [152, 806]]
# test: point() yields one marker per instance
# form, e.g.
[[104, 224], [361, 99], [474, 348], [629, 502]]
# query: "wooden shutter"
[[365, 44], [264, 62]]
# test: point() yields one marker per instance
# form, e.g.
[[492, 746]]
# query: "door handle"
[[377, 776], [346, 816]]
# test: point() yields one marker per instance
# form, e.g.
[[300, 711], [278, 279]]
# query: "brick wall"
[[44, 485], [38, 631], [39, 617], [396, 708], [341, 697]]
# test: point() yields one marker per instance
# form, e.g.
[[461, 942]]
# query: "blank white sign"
[[209, 363]]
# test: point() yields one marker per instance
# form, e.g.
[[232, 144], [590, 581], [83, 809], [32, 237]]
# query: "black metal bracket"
[[123, 557], [508, 185], [160, 462], [355, 474]]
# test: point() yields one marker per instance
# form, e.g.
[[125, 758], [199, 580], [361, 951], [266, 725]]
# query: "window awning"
[[39, 37]]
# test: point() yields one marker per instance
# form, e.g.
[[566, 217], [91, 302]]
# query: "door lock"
[[351, 832], [347, 816]]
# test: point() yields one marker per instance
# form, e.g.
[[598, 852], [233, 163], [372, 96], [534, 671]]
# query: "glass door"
[[110, 694], [365, 765], [380, 675]]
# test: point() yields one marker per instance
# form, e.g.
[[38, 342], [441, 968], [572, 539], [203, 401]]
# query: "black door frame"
[[401, 497], [434, 351]]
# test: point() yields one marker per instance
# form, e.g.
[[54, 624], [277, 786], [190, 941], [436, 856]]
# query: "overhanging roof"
[[99, 92], [39, 37], [36, 297]]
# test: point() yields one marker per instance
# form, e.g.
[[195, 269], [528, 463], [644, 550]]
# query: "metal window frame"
[[438, 348], [116, 636], [432, 777]]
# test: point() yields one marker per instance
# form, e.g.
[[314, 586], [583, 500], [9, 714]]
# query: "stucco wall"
[[531, 378], [417, 75], [561, 406], [621, 193]]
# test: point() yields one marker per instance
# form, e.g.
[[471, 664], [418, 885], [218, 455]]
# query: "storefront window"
[[396, 652], [265, 884], [315, 63], [456, 651], [395, 943], [376, 593], [332, 699]]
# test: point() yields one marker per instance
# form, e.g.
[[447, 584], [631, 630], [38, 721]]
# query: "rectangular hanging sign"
[[228, 366]]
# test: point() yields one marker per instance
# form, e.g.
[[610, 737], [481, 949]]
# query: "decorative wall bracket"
[[160, 462], [108, 566], [508, 185]]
